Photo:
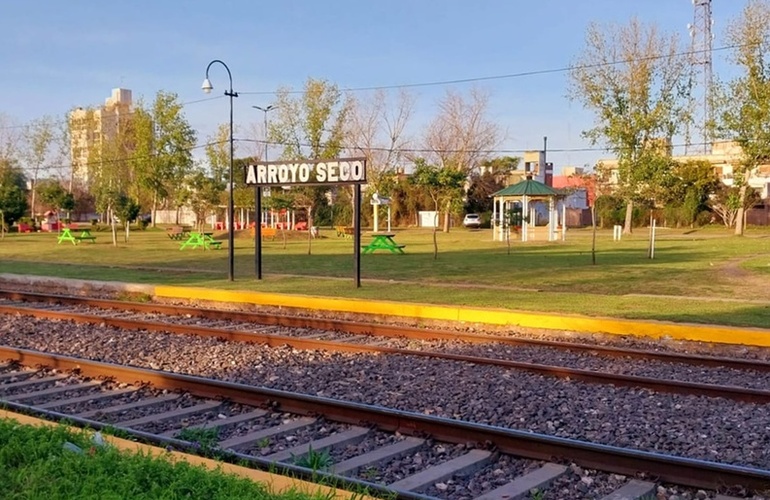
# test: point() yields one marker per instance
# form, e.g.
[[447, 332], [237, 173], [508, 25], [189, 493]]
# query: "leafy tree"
[[53, 194], [443, 185], [13, 194], [202, 192], [478, 199], [744, 103], [634, 80], [126, 209], [729, 203], [163, 151], [688, 191], [310, 126]]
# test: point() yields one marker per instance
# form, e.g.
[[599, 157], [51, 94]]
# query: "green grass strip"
[[36, 464]]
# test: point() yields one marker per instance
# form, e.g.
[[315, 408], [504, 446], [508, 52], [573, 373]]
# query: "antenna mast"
[[702, 43]]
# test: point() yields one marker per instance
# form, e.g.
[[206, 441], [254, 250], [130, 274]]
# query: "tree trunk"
[[628, 225], [435, 229], [740, 216], [446, 220], [309, 225], [593, 234], [154, 208], [33, 200]]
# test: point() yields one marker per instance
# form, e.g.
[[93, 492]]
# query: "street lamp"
[[207, 88], [258, 205]]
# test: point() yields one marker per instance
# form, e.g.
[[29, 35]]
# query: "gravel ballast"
[[697, 427]]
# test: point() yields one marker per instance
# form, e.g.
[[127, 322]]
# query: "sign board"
[[307, 172]]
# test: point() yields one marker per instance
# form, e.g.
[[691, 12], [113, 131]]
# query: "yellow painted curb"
[[499, 317], [275, 483]]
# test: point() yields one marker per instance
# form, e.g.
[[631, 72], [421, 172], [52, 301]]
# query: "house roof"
[[527, 187]]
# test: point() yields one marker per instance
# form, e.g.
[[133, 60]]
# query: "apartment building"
[[725, 158], [92, 128]]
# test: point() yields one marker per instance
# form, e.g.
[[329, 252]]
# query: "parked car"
[[472, 221]]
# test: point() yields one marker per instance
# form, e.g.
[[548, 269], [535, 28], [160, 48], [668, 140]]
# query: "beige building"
[[91, 128], [725, 157]]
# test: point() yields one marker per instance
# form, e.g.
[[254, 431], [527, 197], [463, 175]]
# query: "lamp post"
[[207, 88], [258, 206]]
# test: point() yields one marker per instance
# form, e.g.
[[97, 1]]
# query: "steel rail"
[[661, 385], [385, 330], [679, 470]]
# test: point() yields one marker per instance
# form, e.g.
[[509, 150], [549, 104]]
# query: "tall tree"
[[377, 131], [633, 78], [310, 126], [163, 151], [40, 139], [461, 135], [744, 103]]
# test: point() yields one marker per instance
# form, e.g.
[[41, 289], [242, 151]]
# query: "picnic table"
[[197, 239], [383, 241], [67, 235]]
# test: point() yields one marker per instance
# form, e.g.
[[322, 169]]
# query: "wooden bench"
[[267, 232]]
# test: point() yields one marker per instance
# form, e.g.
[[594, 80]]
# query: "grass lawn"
[[36, 464], [704, 275]]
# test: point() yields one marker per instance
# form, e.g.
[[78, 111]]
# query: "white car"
[[472, 220]]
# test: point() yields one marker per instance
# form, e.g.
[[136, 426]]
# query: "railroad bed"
[[363, 454], [696, 427]]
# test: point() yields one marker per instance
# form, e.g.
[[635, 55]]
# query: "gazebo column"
[[552, 219], [494, 218], [524, 217]]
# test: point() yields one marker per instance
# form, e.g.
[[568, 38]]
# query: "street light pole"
[[258, 206], [207, 88]]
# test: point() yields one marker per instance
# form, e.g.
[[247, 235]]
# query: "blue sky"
[[57, 55]]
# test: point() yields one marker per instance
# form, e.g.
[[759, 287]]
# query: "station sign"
[[307, 172]]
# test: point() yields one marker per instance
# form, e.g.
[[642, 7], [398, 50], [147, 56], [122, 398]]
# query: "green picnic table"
[[67, 235], [383, 241], [197, 239]]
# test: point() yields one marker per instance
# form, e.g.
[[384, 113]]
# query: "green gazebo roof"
[[528, 187]]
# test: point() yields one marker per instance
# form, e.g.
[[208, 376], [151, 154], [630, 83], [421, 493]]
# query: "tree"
[[633, 78], [13, 194], [126, 209], [443, 185], [744, 103], [163, 152], [730, 202], [478, 198], [311, 126], [53, 194], [376, 131], [202, 192], [40, 137], [461, 136]]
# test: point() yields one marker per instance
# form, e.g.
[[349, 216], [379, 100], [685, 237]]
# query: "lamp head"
[[207, 87]]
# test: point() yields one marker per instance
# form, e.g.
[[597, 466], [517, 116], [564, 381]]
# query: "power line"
[[521, 74], [63, 121]]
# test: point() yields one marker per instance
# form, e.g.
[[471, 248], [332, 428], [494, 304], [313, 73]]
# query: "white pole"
[[494, 219], [388, 218], [551, 219], [563, 221], [376, 217], [652, 247]]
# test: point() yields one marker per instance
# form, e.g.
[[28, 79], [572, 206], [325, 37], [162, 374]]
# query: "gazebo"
[[525, 192]]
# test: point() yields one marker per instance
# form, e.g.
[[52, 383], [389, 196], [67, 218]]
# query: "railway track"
[[346, 336], [388, 451]]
